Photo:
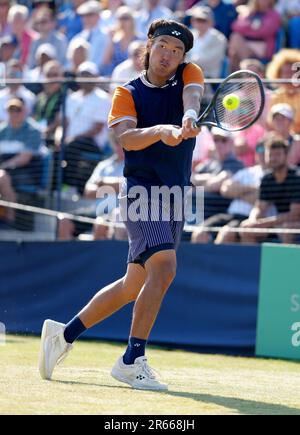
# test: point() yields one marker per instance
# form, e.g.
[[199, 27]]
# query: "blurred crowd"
[[250, 178]]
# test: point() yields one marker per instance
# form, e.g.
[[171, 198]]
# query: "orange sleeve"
[[123, 107], [193, 75]]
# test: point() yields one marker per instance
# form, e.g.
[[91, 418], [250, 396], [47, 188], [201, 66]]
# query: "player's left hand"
[[188, 131]]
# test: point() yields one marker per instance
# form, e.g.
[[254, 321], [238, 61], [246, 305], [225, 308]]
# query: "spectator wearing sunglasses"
[[20, 152]]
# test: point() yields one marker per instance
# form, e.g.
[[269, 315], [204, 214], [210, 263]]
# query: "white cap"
[[284, 110], [215, 131], [90, 7], [47, 49], [88, 67]]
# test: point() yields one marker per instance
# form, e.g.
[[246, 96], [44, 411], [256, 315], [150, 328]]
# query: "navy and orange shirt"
[[149, 105]]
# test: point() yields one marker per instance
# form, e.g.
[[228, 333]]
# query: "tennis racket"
[[244, 90]]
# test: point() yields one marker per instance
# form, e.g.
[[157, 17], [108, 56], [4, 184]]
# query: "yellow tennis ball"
[[231, 102]]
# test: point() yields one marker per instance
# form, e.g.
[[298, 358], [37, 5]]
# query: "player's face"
[[166, 54]]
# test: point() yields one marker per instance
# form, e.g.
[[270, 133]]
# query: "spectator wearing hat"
[[280, 188], [86, 131], [151, 11], [45, 24], [78, 53], [92, 33], [18, 18], [209, 45], [130, 68], [283, 67], [20, 152], [14, 71], [281, 122], [117, 50], [212, 174], [224, 14], [242, 189], [44, 54]]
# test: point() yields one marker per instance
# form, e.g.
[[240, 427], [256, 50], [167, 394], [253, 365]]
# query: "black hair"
[[187, 35]]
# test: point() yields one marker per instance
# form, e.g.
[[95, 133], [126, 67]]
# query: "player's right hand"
[[171, 135]]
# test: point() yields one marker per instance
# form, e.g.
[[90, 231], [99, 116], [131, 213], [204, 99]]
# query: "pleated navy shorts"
[[152, 233]]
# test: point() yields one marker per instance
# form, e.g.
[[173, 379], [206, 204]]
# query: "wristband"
[[190, 114]]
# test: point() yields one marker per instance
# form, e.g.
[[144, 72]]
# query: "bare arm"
[[233, 189], [191, 101], [215, 182], [259, 211], [137, 139], [18, 161], [91, 189]]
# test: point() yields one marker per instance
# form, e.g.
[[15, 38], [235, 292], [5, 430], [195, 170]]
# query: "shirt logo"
[[175, 32], [174, 83]]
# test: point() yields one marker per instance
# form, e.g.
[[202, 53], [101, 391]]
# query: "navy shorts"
[[148, 236]]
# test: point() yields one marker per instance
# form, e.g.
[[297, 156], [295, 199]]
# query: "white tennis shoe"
[[54, 348], [139, 375]]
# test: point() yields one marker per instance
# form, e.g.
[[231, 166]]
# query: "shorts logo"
[[176, 33]]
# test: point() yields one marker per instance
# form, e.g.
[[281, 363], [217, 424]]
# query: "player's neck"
[[156, 80]]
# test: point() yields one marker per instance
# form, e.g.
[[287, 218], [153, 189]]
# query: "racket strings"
[[251, 100]]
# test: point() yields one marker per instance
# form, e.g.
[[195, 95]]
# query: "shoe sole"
[[132, 384], [42, 357]]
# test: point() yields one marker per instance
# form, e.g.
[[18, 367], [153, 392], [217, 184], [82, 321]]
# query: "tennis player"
[[144, 115]]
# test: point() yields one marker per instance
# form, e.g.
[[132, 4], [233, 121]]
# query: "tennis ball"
[[231, 102]]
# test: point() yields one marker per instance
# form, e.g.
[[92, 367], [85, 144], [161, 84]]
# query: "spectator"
[[18, 18], [69, 21], [259, 68], [130, 68], [279, 188], [98, 40], [48, 105], [281, 123], [78, 53], [117, 50], [45, 25], [91, 106], [224, 14], [245, 143], [150, 12], [8, 48], [20, 151], [212, 174], [43, 55], [242, 189], [288, 8], [5, 28], [255, 32], [108, 20], [284, 66], [107, 173], [14, 71], [204, 149], [209, 45]]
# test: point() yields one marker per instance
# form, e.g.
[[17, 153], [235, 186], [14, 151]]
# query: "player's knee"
[[164, 273]]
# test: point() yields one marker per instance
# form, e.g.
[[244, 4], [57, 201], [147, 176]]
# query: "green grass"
[[198, 384]]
